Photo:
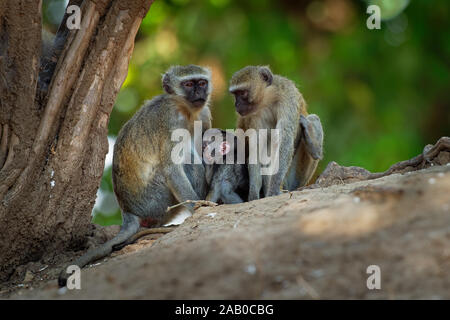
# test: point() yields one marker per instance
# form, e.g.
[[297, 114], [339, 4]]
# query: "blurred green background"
[[382, 95]]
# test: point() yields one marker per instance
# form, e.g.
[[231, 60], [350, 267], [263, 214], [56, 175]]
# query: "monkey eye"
[[202, 83], [188, 84], [241, 93]]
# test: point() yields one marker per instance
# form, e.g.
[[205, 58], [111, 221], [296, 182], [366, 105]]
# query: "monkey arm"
[[255, 181], [285, 154], [205, 117], [213, 194], [179, 184], [223, 190], [229, 196]]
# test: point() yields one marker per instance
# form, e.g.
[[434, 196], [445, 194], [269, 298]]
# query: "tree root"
[[439, 154]]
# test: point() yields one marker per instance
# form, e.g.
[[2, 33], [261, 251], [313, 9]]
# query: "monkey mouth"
[[198, 102], [243, 111]]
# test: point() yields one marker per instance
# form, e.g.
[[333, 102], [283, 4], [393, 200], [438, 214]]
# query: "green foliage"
[[381, 94], [389, 8]]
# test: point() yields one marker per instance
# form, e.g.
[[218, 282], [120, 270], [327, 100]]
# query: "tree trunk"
[[53, 121]]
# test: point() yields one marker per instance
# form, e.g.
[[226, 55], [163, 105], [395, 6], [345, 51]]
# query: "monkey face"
[[242, 102], [216, 150], [248, 86], [196, 91], [213, 151]]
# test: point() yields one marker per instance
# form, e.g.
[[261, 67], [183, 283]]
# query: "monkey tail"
[[130, 226]]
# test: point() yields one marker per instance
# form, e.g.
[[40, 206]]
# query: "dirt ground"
[[310, 244]]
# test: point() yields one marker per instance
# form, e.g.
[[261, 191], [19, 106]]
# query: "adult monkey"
[[267, 101], [145, 179]]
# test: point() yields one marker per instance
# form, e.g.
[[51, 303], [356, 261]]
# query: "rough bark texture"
[[53, 122], [437, 154], [309, 244]]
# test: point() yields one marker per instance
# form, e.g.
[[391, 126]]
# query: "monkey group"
[[147, 182]]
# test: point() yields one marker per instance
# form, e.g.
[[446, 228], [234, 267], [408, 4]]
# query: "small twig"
[[289, 192], [198, 203]]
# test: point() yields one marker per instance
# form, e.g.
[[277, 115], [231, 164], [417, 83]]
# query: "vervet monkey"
[[228, 182], [145, 179], [267, 101]]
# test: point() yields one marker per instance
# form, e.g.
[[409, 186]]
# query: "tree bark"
[[53, 121]]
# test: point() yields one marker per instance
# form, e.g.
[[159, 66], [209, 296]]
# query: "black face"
[[196, 91], [225, 148], [211, 153], [242, 103]]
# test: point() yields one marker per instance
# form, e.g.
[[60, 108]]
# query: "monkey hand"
[[253, 194], [273, 192]]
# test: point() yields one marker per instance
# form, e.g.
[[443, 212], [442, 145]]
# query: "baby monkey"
[[228, 182]]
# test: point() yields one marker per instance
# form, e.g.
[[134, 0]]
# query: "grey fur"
[[145, 179]]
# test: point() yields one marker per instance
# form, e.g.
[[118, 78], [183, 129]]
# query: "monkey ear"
[[266, 75], [224, 148], [166, 84]]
